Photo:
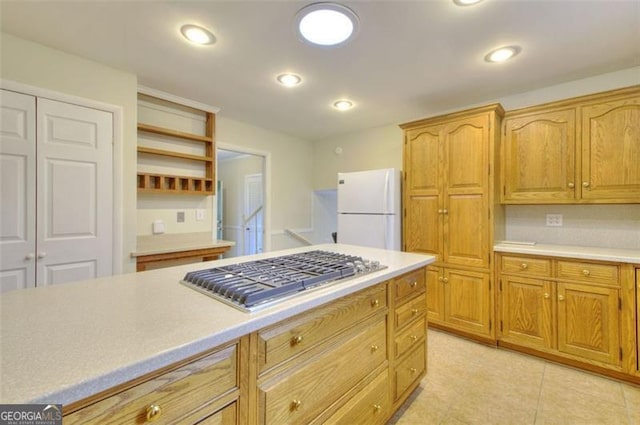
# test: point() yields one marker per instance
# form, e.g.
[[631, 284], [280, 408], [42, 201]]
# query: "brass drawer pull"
[[524, 266], [413, 284], [413, 370], [414, 338], [586, 272], [585, 184], [374, 348], [296, 340], [560, 298], [154, 411], [571, 185], [375, 303], [376, 408], [295, 405], [546, 295], [414, 311]]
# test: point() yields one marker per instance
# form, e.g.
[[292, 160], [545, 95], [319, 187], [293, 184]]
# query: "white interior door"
[[17, 190], [75, 192], [254, 213]]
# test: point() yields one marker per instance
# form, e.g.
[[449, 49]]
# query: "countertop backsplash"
[[606, 226]]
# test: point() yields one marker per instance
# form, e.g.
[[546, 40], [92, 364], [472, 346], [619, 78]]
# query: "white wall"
[[606, 226], [39, 66]]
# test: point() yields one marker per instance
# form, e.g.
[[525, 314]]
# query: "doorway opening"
[[241, 200]]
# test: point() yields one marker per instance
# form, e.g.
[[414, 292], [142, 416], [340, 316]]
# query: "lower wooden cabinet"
[[351, 361], [577, 310], [186, 394], [461, 300]]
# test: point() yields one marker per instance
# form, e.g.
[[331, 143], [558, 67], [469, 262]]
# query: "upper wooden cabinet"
[[582, 150]]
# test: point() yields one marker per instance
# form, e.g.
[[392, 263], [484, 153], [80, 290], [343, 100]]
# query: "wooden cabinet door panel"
[[435, 296], [588, 322], [422, 159], [527, 312], [370, 406], [466, 231], [539, 155], [467, 162], [423, 229], [409, 370], [611, 150], [467, 302]]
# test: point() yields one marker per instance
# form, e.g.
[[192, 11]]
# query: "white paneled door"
[[72, 192]]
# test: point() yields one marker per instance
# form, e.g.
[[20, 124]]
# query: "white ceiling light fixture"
[[326, 24], [197, 34], [343, 104], [502, 54], [289, 80], [466, 2]]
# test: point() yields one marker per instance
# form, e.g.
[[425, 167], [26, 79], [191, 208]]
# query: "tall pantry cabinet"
[[451, 212]]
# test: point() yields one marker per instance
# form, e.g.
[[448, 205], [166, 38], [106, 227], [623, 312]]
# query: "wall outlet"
[[180, 217], [199, 215], [158, 227], [554, 220]]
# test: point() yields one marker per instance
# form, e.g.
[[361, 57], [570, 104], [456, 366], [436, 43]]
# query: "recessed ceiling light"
[[343, 104], [466, 2], [502, 54], [326, 24], [289, 80], [197, 35]]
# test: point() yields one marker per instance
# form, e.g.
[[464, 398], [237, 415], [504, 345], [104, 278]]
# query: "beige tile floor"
[[468, 383]]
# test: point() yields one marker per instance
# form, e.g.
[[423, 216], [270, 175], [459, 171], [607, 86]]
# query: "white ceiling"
[[410, 59]]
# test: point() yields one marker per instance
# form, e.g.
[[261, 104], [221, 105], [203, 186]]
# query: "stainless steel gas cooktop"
[[256, 284]]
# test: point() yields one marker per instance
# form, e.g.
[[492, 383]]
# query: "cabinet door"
[[527, 311], [467, 301], [539, 157], [611, 151], [17, 191], [435, 295], [588, 322], [465, 209], [423, 198]]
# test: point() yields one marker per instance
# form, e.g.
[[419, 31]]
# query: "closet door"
[[17, 190], [75, 194]]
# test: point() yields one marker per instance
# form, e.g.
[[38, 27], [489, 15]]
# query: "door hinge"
[[501, 326], [501, 284], [405, 213], [490, 325], [620, 351], [504, 190], [620, 303]]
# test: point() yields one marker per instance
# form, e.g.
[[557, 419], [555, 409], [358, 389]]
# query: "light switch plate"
[[180, 217], [199, 215], [554, 220]]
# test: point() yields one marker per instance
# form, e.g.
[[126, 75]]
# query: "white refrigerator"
[[369, 208]]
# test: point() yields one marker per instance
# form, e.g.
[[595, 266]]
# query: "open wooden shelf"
[[174, 154], [150, 182], [173, 133], [162, 183]]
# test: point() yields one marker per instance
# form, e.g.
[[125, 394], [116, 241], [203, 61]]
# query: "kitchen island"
[[78, 343]]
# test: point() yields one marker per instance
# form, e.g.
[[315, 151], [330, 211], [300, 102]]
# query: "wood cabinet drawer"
[[588, 272], [411, 336], [294, 336], [409, 284], [410, 311], [409, 370], [526, 266], [176, 393], [300, 394], [225, 416], [371, 406]]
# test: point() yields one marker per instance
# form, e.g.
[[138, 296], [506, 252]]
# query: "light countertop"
[[568, 251], [176, 242], [62, 343]]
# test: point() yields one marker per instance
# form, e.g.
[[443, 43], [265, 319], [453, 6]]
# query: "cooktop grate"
[[259, 283]]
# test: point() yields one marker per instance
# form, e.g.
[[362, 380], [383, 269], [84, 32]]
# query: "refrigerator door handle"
[[386, 193]]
